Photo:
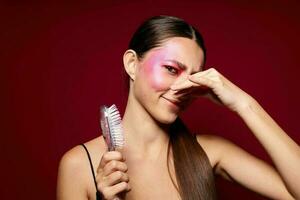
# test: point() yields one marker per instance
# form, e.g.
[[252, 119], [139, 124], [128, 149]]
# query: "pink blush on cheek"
[[156, 76]]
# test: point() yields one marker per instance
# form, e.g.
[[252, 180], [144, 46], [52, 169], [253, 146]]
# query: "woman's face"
[[161, 67]]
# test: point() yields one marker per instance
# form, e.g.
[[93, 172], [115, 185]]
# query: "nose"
[[183, 77]]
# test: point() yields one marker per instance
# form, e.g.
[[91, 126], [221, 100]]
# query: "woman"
[[161, 159]]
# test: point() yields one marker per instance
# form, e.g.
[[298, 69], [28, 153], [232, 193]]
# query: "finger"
[[120, 187], [115, 177], [187, 94], [108, 156], [210, 73], [113, 166], [111, 192], [210, 94], [183, 85], [183, 92], [203, 81], [187, 86], [204, 73]]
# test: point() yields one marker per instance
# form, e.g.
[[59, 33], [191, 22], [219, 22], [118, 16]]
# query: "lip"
[[173, 102]]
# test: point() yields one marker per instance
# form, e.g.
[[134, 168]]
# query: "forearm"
[[284, 152]]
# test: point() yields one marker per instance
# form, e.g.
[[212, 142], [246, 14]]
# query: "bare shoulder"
[[74, 172], [71, 175], [74, 157], [214, 146]]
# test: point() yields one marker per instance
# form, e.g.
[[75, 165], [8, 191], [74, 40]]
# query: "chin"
[[166, 118]]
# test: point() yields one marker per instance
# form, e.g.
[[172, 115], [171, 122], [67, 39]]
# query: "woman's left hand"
[[212, 84]]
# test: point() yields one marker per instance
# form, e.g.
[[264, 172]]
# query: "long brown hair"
[[193, 171]]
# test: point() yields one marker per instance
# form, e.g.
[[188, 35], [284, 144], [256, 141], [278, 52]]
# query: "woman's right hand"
[[112, 178]]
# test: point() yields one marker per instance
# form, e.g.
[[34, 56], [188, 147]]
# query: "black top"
[[98, 194]]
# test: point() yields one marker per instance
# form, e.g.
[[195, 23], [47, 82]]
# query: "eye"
[[171, 69]]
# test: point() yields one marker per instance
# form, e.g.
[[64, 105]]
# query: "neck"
[[144, 137]]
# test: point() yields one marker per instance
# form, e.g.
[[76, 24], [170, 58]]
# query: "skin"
[[139, 171]]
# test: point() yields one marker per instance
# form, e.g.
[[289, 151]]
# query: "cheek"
[[157, 77]]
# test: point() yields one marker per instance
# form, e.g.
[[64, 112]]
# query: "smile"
[[173, 103]]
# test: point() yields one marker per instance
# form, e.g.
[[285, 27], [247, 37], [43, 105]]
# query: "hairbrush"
[[110, 121]]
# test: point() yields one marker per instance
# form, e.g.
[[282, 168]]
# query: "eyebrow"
[[181, 65]]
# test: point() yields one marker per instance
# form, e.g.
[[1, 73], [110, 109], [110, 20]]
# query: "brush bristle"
[[114, 120]]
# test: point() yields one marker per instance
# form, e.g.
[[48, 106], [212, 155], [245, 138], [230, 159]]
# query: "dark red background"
[[60, 62]]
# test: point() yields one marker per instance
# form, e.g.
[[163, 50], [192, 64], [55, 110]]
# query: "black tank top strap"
[[98, 194]]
